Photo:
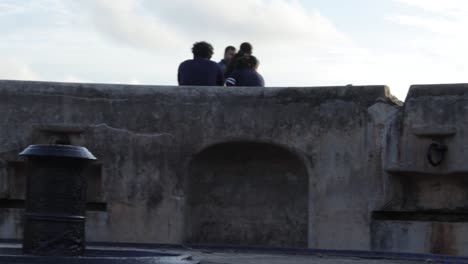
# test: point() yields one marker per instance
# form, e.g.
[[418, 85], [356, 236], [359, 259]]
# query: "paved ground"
[[231, 257], [255, 258]]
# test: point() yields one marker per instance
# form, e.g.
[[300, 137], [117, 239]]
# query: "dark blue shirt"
[[245, 77], [223, 64], [200, 72]]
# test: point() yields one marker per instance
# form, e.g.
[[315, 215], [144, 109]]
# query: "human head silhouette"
[[202, 50]]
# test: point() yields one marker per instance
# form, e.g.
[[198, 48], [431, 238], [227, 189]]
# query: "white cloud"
[[161, 24], [436, 53], [296, 45], [72, 79], [13, 69], [439, 25], [447, 8], [445, 17], [262, 20], [126, 21], [9, 8], [134, 81], [145, 40]]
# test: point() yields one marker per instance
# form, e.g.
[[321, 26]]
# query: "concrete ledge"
[[366, 95], [437, 90]]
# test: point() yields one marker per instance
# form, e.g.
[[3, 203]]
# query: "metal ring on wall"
[[438, 149]]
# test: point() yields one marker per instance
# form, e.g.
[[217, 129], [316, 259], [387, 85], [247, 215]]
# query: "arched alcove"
[[247, 193]]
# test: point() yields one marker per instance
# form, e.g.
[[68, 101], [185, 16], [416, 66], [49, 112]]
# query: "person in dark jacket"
[[245, 50], [246, 73], [200, 71], [229, 53]]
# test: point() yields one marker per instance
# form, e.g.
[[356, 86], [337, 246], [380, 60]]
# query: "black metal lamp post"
[[54, 223]]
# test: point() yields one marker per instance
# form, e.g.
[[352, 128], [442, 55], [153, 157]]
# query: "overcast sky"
[[298, 42]]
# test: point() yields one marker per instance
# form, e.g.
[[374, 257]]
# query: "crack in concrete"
[[78, 97], [126, 131]]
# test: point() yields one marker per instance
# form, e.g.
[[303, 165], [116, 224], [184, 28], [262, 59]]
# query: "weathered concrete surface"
[[243, 257], [432, 113], [147, 137], [257, 258], [321, 167], [437, 237], [230, 186], [427, 207]]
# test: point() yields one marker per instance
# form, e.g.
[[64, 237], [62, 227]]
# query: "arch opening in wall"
[[249, 194]]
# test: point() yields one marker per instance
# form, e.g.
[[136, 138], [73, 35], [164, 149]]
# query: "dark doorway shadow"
[[249, 194]]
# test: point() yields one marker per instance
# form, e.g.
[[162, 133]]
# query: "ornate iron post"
[[54, 222]]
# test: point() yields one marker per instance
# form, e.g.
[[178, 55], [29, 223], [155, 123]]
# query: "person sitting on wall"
[[246, 73], [245, 49], [201, 71], [229, 53]]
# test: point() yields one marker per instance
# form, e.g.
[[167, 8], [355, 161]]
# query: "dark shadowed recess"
[[248, 194]]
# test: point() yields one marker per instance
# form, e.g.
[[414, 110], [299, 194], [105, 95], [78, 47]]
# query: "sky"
[[298, 42]]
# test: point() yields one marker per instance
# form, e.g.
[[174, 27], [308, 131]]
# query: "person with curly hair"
[[201, 70]]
